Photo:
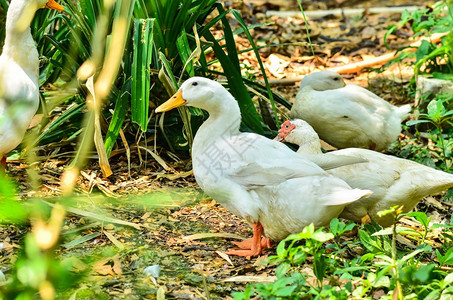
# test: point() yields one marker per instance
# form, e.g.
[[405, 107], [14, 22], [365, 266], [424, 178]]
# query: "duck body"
[[394, 181], [249, 183], [19, 70], [251, 176], [18, 103], [347, 115]]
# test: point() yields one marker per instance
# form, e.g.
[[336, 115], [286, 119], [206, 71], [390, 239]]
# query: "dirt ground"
[[170, 222]]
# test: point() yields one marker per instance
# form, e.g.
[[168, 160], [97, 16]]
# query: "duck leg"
[[253, 246]]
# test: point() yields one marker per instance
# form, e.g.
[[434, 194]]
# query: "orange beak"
[[175, 101], [51, 4]]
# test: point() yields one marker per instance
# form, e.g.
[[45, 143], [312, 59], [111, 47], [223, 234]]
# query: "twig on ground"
[[358, 66]]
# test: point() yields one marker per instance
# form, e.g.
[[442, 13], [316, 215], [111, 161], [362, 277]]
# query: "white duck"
[[347, 115], [256, 178], [394, 181], [19, 64]]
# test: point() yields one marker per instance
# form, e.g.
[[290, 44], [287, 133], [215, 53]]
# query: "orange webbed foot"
[[245, 253], [247, 244], [252, 246]]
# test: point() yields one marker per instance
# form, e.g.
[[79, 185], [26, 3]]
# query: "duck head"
[[322, 81], [298, 132], [197, 92], [21, 12]]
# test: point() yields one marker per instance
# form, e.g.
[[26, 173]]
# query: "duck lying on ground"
[[394, 181], [347, 115]]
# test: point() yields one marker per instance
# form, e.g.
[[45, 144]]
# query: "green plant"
[[75, 46], [397, 273], [296, 251], [438, 115], [36, 269], [430, 58]]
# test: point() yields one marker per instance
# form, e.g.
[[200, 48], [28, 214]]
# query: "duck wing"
[[259, 161], [328, 161]]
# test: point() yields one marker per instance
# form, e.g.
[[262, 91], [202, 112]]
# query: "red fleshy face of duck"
[[285, 129]]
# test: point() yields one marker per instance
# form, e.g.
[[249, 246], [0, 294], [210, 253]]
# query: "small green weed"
[[430, 58], [438, 115], [317, 264]]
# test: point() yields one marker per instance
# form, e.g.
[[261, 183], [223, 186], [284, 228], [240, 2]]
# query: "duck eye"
[[195, 83], [287, 126], [336, 78]]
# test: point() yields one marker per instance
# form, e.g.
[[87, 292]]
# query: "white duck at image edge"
[[19, 64], [347, 115], [258, 179], [394, 181]]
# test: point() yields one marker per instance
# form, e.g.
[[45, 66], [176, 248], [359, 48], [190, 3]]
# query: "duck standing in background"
[[261, 180], [19, 70], [394, 181], [347, 115]]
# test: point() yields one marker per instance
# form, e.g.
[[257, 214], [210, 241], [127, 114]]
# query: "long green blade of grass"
[[185, 52], [238, 17], [250, 116], [119, 113], [143, 53]]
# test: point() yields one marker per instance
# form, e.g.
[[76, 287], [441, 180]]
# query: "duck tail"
[[342, 196], [403, 111], [436, 182]]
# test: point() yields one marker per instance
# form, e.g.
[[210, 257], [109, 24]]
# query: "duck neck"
[[306, 144], [310, 149], [19, 44], [224, 121]]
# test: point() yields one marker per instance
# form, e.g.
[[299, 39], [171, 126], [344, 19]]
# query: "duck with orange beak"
[[19, 68], [251, 175]]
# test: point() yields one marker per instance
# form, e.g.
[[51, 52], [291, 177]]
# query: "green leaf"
[[422, 50], [70, 112], [389, 231], [140, 73], [286, 291], [391, 29], [367, 257], [334, 226], [449, 278], [282, 269], [319, 266], [238, 17], [185, 52], [322, 236], [281, 248], [82, 239], [424, 273], [373, 245], [119, 113], [416, 122], [420, 217], [381, 279], [446, 259], [410, 255]]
